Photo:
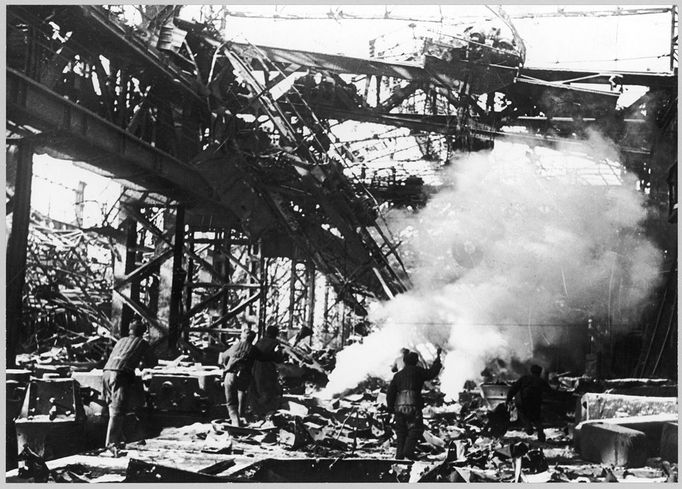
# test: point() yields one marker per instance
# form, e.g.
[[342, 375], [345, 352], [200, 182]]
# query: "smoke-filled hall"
[[341, 243]]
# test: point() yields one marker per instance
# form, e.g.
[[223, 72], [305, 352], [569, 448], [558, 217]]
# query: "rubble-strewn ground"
[[349, 439]]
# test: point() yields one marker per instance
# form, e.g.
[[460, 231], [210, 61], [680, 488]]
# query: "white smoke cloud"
[[501, 249]]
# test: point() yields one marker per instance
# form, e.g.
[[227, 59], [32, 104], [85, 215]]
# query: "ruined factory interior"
[[341, 243]]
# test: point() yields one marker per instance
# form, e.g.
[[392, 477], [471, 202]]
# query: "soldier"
[[404, 399], [266, 389], [237, 362], [527, 394], [118, 378]]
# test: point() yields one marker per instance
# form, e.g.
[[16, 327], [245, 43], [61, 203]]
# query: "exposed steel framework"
[[246, 207]]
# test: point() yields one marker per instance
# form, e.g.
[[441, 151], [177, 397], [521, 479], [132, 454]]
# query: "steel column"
[[673, 37], [130, 266], [17, 247], [190, 279], [263, 305], [179, 274], [325, 314], [310, 296], [227, 270], [292, 294]]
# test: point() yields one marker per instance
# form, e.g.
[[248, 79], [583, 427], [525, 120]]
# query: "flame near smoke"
[[501, 249]]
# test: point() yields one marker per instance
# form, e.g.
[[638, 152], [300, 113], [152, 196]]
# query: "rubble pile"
[[310, 438], [69, 350], [459, 443], [309, 435]]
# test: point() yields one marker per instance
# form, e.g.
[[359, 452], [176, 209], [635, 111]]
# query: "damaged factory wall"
[[507, 262]]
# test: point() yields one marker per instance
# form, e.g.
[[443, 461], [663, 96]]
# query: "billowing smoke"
[[505, 258]]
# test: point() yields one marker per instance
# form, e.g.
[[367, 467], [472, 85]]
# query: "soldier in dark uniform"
[[266, 389], [404, 400], [527, 394]]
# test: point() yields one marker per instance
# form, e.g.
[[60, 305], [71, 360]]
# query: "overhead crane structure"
[[82, 86], [236, 177]]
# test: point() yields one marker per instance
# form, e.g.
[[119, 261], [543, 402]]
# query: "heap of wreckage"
[[615, 436], [275, 173]]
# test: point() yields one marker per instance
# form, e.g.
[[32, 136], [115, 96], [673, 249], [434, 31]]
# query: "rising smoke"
[[503, 261]]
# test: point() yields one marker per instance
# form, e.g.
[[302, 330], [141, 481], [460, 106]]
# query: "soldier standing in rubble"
[[118, 378], [404, 400], [237, 362], [266, 389], [527, 393]]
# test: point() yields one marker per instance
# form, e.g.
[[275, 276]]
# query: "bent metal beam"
[[87, 135]]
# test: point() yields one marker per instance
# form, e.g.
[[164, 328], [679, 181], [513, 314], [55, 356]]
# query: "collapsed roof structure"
[[242, 204], [237, 136]]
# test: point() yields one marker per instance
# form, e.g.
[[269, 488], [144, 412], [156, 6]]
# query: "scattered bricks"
[[612, 444], [668, 447], [600, 406]]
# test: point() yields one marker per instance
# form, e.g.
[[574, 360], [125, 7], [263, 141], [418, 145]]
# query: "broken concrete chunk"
[[217, 443], [651, 426], [599, 406], [612, 444]]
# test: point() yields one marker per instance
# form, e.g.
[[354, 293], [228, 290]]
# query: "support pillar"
[[17, 245], [179, 275], [343, 324], [263, 305], [292, 293], [310, 296], [131, 264], [673, 42], [227, 270], [325, 316], [189, 279]]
